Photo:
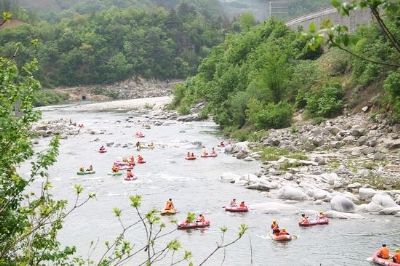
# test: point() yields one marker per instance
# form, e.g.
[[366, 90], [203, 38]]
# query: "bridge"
[[355, 19]]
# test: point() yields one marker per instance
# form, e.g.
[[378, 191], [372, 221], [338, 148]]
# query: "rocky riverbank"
[[128, 89], [350, 161]]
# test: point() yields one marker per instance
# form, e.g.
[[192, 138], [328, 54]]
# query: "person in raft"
[[201, 219], [81, 169], [242, 205], [129, 173], [275, 227], [138, 144], [90, 168], [115, 168], [192, 155], [304, 218], [396, 257], [188, 155], [102, 148], [205, 153], [213, 151], [233, 203], [140, 158], [384, 252], [283, 232], [169, 205], [321, 215]]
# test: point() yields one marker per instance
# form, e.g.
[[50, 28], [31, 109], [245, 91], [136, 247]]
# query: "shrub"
[[326, 102], [274, 116], [392, 84], [49, 97]]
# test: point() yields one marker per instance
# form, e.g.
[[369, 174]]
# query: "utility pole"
[[278, 7]]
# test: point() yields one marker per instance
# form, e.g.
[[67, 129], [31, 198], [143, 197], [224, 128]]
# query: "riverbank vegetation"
[[117, 43], [259, 78]]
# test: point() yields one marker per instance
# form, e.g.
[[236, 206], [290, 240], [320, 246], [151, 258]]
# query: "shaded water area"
[[194, 186]]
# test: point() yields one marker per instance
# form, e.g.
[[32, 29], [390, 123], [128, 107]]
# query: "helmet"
[[274, 221], [321, 212]]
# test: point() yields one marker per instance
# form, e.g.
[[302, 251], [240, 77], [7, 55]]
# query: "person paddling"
[[90, 168], [115, 168], [304, 218], [201, 219], [384, 252], [233, 203], [140, 159], [275, 227], [242, 205], [396, 257], [129, 174], [169, 205], [283, 232]]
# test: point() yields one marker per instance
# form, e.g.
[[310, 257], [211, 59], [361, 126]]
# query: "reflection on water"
[[194, 186]]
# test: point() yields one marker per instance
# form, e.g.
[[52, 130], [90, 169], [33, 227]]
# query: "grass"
[[274, 154], [381, 182], [148, 106]]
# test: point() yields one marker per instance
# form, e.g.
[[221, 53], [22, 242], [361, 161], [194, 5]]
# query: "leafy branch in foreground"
[[339, 36], [29, 221], [121, 250]]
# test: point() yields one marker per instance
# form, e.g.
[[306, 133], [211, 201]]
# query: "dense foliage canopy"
[[116, 43]]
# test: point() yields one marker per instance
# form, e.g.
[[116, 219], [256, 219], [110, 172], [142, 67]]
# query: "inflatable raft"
[[102, 151], [86, 173], [193, 225], [115, 174], [212, 155], [315, 222], [168, 212], [281, 237], [141, 162], [236, 209], [130, 178], [380, 261], [190, 158]]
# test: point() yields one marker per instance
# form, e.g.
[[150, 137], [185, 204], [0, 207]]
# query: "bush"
[[392, 85], [49, 97], [326, 102], [271, 116]]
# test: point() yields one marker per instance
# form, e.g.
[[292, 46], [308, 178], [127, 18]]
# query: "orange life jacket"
[[384, 253], [169, 205], [396, 257]]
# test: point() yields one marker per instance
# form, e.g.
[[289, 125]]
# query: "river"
[[194, 186]]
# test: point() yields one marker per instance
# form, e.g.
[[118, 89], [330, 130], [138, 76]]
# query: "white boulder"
[[291, 193], [341, 203], [366, 193]]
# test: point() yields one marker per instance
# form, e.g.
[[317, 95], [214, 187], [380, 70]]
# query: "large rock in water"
[[291, 193], [366, 193], [384, 200], [342, 204], [229, 178]]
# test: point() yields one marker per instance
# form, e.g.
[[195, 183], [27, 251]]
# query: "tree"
[[338, 35]]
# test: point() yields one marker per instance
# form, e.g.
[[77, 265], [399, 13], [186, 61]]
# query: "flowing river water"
[[194, 186]]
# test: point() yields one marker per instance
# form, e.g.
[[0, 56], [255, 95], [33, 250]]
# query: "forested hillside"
[[258, 79], [116, 43]]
